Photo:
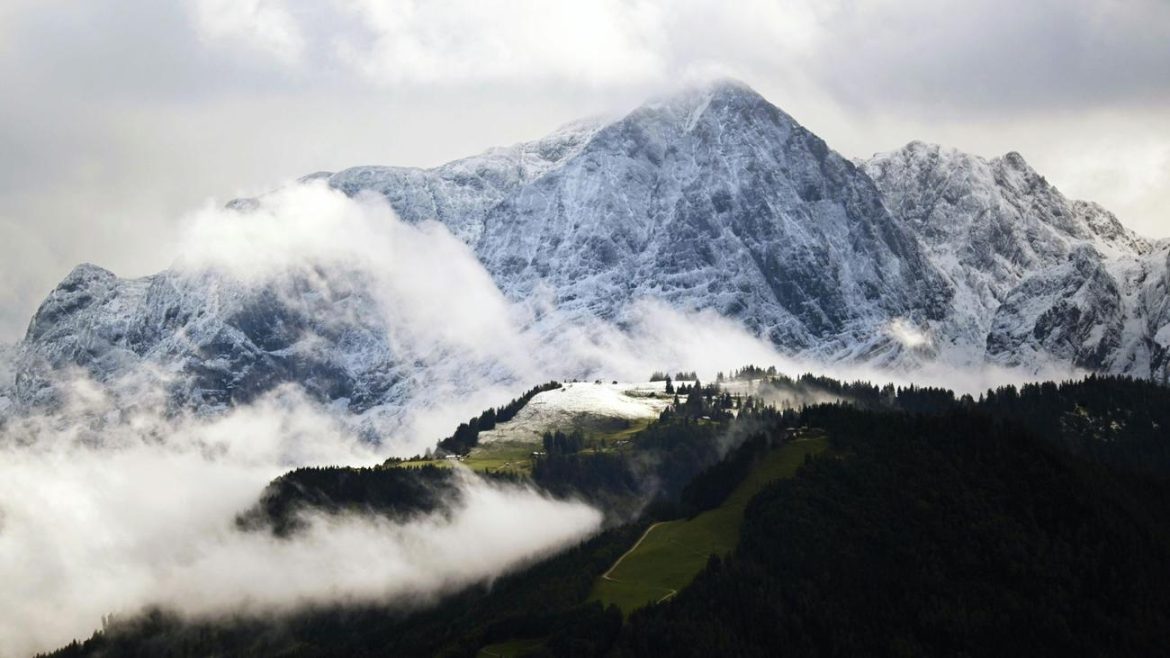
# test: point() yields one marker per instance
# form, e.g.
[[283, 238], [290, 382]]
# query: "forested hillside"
[[1032, 520], [947, 535]]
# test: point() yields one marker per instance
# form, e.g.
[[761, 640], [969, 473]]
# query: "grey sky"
[[120, 117]]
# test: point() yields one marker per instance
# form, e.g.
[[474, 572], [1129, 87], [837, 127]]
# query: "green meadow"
[[672, 553]]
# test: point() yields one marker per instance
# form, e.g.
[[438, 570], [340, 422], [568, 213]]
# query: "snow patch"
[[580, 402]]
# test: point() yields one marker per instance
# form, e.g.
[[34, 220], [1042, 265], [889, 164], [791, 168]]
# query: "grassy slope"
[[672, 553]]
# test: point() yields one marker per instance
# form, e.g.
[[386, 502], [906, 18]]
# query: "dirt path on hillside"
[[605, 576]]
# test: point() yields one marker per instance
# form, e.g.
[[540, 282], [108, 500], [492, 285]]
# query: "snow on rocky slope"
[[1037, 278], [712, 198], [581, 405], [460, 194], [212, 339], [708, 199]]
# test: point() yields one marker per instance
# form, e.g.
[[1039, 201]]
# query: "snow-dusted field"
[[582, 404], [587, 405]]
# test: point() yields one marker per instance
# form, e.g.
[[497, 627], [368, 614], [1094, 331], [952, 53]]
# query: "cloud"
[[509, 41], [424, 292], [410, 303], [907, 334], [410, 267], [994, 56], [264, 25], [983, 56]]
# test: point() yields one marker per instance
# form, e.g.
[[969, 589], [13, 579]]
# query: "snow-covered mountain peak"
[[727, 103], [84, 273], [1014, 161], [696, 97], [85, 284]]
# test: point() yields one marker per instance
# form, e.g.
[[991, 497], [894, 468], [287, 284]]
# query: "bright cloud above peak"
[[264, 25], [605, 42]]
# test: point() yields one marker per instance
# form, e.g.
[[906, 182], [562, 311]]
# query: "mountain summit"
[[710, 198]]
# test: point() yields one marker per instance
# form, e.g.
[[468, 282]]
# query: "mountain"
[[714, 198], [711, 198], [215, 339], [718, 200], [1037, 278]]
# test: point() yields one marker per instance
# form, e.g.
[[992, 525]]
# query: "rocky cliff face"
[[709, 199], [460, 194], [716, 199], [1038, 278], [210, 339]]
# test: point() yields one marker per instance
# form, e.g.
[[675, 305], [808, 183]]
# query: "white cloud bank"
[[105, 512]]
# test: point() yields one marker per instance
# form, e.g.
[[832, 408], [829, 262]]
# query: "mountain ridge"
[[709, 199]]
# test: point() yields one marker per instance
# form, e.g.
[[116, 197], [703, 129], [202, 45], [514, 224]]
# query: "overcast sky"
[[118, 118]]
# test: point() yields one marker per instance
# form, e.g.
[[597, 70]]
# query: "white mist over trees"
[[106, 511]]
